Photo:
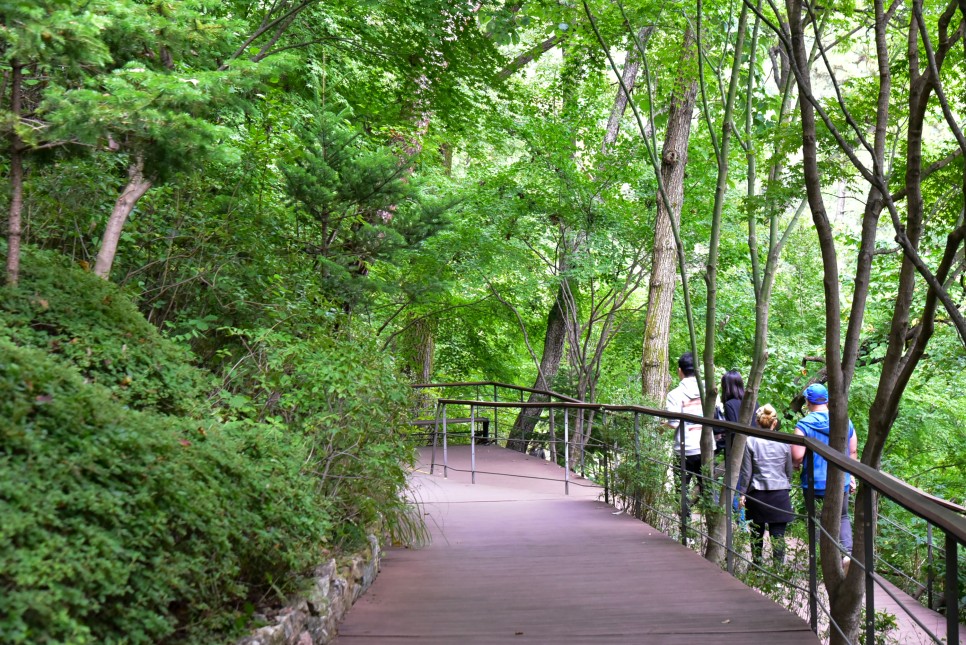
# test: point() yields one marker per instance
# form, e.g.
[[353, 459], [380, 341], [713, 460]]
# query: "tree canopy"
[[564, 195]]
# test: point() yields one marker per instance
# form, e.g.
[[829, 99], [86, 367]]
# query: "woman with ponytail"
[[766, 473]]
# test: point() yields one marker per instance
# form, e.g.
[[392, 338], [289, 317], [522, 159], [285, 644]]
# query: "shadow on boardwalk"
[[514, 560]]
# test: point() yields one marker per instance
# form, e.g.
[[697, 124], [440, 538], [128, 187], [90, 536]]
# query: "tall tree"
[[554, 342], [663, 278], [906, 341], [722, 151]]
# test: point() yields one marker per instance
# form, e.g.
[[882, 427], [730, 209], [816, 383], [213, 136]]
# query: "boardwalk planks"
[[514, 561]]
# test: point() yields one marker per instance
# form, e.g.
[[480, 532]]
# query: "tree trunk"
[[660, 296], [135, 189], [14, 222], [632, 66], [906, 344], [842, 600], [553, 350], [418, 349], [714, 550]]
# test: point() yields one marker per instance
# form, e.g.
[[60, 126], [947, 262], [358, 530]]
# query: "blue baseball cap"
[[816, 393]]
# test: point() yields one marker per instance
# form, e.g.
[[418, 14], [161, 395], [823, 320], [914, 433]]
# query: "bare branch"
[[267, 25], [890, 251], [530, 55], [432, 314], [936, 80], [523, 327], [935, 166]]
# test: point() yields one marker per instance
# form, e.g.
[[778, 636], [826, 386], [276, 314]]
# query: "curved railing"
[[945, 516]]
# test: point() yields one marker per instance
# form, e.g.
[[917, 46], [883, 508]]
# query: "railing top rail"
[[899, 492], [945, 503], [782, 437], [549, 393], [941, 513]]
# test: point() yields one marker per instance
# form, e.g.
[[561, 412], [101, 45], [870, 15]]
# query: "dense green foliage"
[[130, 512], [91, 326], [343, 400], [343, 197], [122, 521]]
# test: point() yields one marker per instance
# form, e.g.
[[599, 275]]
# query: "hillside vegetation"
[[136, 509]]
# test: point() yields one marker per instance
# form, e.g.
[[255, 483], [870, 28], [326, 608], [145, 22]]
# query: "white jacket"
[[686, 398]]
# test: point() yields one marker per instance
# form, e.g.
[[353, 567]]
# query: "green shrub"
[[124, 526], [90, 324], [344, 397]]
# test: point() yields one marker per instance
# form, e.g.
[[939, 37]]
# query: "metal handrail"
[[791, 439], [897, 490], [940, 513], [506, 386], [934, 509]]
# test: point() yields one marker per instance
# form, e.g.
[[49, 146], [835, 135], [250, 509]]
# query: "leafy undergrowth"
[[89, 324], [342, 398], [129, 512], [131, 526]]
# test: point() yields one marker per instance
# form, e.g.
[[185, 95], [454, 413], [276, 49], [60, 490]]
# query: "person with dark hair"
[[731, 394], [815, 425], [766, 473], [686, 364], [686, 399]]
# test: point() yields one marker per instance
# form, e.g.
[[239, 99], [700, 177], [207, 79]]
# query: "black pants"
[[777, 532], [692, 468]]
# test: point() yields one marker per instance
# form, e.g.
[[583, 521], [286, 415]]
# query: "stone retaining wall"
[[314, 618]]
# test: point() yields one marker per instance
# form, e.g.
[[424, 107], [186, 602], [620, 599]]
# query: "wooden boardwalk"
[[514, 561]]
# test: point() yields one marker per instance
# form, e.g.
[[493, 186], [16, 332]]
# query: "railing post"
[[930, 567], [603, 433], [729, 508], [472, 444], [445, 459], [582, 425], [952, 590], [496, 418], [606, 489], [566, 451], [685, 511], [869, 535], [638, 511], [432, 462], [553, 435], [812, 559]]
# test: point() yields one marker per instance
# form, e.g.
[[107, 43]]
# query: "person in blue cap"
[[815, 425]]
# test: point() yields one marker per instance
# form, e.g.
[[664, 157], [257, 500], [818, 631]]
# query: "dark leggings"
[[692, 470], [777, 532]]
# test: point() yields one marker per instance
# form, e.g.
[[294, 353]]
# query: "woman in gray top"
[[766, 473]]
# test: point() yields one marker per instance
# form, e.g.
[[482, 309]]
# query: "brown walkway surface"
[[513, 560]]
